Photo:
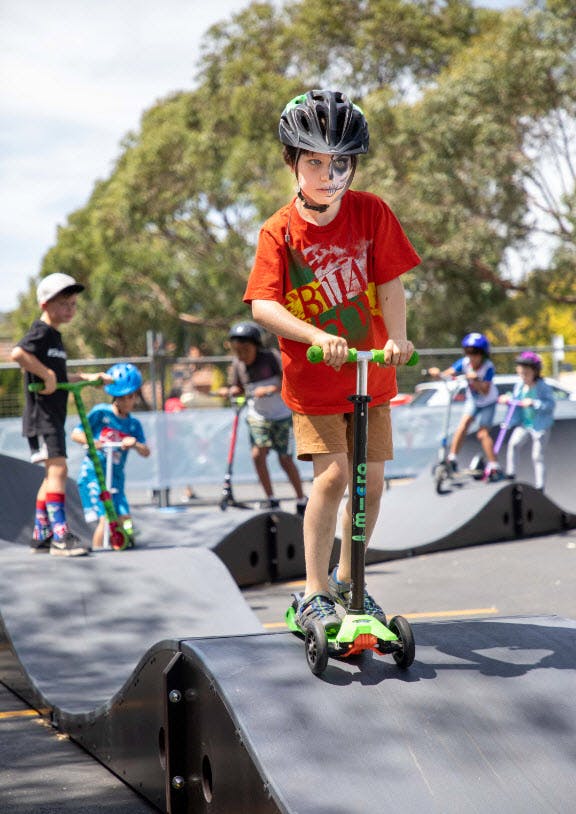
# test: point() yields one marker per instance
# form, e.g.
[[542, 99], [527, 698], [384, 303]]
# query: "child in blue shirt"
[[533, 417], [481, 398], [112, 423]]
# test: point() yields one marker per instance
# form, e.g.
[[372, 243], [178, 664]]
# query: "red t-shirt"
[[327, 275]]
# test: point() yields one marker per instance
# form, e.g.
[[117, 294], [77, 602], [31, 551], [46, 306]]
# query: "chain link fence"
[[198, 379]]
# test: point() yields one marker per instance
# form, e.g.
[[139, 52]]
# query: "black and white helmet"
[[324, 121]]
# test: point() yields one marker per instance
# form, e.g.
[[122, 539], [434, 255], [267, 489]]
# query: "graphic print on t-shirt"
[[329, 288]]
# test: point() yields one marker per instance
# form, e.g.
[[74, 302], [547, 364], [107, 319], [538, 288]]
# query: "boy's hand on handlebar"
[[50, 383], [398, 351], [103, 378], [334, 349]]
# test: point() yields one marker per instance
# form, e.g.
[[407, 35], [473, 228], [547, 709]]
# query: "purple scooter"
[[504, 427]]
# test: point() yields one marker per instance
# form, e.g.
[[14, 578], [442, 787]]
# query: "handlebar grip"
[[315, 354], [37, 387]]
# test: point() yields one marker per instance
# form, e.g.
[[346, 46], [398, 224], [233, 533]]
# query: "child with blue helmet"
[[481, 398], [112, 424]]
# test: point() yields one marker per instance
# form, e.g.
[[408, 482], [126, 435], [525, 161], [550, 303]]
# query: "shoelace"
[[370, 605], [321, 607]]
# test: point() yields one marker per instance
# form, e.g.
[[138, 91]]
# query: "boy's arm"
[[32, 364], [398, 349], [131, 442], [90, 377], [78, 435], [275, 318]]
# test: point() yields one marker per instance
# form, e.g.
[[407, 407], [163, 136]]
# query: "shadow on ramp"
[[157, 667], [483, 721]]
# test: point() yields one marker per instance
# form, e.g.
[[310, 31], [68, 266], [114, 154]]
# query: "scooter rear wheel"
[[401, 628], [316, 645]]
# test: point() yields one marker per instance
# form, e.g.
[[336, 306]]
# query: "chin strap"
[[306, 205]]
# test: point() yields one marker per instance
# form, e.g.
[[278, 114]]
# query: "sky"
[[75, 78]]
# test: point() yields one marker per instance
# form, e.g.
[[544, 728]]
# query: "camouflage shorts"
[[272, 434]]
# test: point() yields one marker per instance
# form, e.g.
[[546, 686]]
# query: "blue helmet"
[[478, 341], [127, 379]]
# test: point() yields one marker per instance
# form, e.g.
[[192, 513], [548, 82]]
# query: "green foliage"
[[462, 104]]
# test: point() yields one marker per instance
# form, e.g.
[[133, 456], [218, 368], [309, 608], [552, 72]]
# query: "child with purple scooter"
[[532, 418]]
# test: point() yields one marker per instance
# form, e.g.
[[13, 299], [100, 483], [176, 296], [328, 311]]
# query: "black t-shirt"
[[265, 366], [44, 414]]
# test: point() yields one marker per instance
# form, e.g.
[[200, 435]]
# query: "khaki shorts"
[[318, 434]]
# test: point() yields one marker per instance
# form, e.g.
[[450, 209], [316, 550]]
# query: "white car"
[[436, 393]]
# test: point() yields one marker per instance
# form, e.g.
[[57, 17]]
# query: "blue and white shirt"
[[107, 426], [485, 373]]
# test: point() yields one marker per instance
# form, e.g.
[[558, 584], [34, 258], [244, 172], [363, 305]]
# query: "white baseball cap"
[[54, 284]]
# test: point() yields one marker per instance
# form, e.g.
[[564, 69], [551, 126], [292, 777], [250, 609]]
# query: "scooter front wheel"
[[316, 645], [401, 628], [441, 476]]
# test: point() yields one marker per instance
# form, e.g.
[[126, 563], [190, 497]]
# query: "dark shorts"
[[49, 445]]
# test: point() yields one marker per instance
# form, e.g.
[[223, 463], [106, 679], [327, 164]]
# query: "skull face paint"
[[323, 178]]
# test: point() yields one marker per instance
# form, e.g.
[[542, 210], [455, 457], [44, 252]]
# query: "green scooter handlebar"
[[315, 354], [37, 387]]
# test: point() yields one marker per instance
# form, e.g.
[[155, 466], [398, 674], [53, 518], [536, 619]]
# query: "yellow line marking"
[[454, 613], [425, 615], [20, 713]]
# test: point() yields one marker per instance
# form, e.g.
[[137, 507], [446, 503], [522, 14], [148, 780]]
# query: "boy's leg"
[[288, 465], [259, 458], [460, 434], [56, 473], [261, 442], [42, 534], [98, 536], [328, 487], [321, 439], [483, 435], [486, 419], [379, 450], [282, 443]]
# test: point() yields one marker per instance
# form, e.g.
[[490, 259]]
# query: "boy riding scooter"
[[481, 399]]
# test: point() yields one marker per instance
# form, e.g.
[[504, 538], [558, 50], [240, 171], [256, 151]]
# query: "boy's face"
[[476, 357], [126, 403], [245, 351], [60, 309], [322, 177]]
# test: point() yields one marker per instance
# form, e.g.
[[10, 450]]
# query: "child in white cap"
[[42, 356]]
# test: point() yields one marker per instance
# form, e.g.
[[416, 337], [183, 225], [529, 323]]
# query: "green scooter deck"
[[357, 633]]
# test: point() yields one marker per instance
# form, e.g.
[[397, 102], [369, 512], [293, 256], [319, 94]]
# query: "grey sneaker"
[[340, 591], [318, 608], [41, 546], [69, 546]]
